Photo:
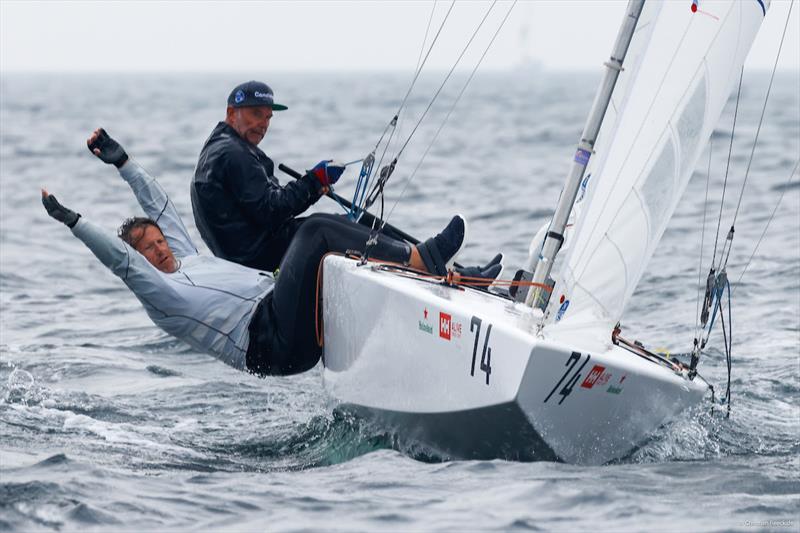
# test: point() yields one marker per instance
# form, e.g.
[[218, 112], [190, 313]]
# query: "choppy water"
[[106, 422]]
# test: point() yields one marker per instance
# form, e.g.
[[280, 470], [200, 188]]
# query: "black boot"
[[438, 253], [490, 270]]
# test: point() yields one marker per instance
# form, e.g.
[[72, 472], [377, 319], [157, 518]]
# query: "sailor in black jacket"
[[244, 215], [241, 210]]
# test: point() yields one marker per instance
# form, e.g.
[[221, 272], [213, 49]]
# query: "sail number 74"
[[572, 380], [486, 354]]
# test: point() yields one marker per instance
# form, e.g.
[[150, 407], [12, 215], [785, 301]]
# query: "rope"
[[454, 279], [728, 342], [362, 183]]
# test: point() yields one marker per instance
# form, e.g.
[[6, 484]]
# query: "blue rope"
[[361, 187], [354, 212], [719, 290]]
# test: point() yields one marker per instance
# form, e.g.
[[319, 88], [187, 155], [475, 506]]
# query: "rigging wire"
[[425, 39], [439, 90], [433, 42], [362, 183], [417, 67], [763, 111], [386, 172], [717, 281], [729, 240], [421, 52], [727, 169], [727, 339], [449, 112], [763, 233], [702, 240], [377, 190]]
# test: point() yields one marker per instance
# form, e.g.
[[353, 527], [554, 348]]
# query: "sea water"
[[108, 423]]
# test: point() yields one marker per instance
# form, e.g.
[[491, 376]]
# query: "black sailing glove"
[[58, 211], [106, 148]]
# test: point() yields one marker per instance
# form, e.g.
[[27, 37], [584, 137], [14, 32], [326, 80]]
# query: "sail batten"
[[680, 70]]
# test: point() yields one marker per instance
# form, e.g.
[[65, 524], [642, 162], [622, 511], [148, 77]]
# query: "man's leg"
[[290, 314], [272, 252]]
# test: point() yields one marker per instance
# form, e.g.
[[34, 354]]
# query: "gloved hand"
[[328, 172], [58, 211], [106, 148]]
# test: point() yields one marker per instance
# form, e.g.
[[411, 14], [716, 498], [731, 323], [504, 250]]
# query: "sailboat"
[[545, 374]]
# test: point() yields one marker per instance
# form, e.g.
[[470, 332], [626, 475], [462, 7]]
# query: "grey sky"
[[314, 35]]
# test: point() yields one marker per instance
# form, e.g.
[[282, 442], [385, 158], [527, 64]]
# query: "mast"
[[538, 297]]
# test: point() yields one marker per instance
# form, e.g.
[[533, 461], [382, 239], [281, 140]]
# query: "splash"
[[19, 387]]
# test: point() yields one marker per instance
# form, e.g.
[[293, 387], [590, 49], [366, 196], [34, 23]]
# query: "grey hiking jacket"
[[208, 302]]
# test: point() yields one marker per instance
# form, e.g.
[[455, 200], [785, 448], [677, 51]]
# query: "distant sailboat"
[[528, 65]]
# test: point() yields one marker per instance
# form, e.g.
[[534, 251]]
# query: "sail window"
[[690, 125], [658, 187]]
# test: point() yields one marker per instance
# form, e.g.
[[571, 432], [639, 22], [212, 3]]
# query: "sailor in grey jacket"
[[206, 301]]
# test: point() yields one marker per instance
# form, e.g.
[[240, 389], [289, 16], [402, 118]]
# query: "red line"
[[709, 14]]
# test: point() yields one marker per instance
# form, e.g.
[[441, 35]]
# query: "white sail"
[[682, 65]]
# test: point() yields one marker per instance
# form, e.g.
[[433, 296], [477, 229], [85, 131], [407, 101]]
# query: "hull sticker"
[[618, 388], [486, 354], [424, 325], [597, 376], [444, 325], [562, 310]]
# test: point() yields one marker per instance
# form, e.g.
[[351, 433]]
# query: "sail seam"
[[624, 267]]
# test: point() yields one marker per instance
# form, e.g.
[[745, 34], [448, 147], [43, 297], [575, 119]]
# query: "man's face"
[[150, 242], [251, 123]]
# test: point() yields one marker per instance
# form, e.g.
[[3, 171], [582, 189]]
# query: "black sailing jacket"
[[242, 212]]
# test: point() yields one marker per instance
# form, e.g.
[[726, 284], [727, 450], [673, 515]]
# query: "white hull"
[[392, 354]]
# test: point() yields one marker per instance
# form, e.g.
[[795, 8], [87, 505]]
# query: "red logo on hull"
[[444, 325], [593, 377]]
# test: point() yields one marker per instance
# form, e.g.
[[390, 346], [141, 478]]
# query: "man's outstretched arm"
[[151, 196], [125, 262], [112, 251]]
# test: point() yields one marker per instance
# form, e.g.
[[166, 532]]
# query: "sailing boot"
[[490, 270], [438, 253]]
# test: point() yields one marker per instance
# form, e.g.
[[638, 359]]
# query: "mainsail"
[[681, 67]]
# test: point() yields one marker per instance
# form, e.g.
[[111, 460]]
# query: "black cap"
[[253, 93]]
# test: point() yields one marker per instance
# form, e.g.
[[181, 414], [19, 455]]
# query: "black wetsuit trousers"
[[283, 330], [272, 253]]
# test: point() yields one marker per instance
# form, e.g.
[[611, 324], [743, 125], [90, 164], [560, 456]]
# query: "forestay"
[[681, 68]]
